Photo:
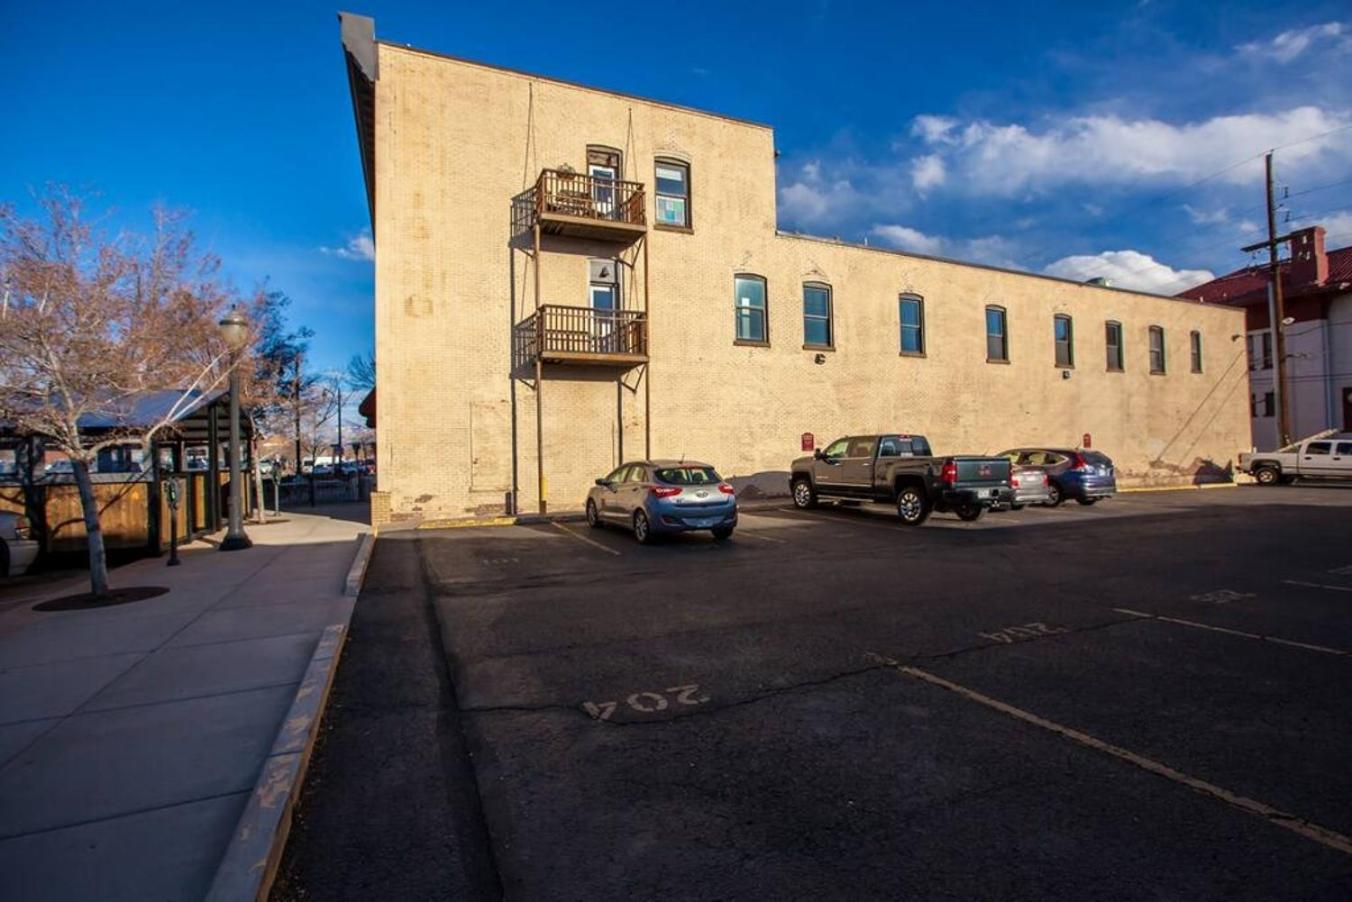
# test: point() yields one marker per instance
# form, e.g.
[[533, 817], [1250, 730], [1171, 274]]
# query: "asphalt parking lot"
[[1148, 698]]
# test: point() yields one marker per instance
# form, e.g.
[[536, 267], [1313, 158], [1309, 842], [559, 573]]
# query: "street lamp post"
[[235, 330]]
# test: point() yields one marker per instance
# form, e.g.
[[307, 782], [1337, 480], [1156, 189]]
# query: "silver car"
[[652, 497], [1031, 485], [18, 548]]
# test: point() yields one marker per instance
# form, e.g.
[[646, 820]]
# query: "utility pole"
[[338, 387], [1276, 309], [295, 408]]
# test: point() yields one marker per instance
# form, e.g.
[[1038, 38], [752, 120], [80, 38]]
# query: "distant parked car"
[[652, 497], [1087, 476], [1028, 484], [1327, 455], [17, 545]]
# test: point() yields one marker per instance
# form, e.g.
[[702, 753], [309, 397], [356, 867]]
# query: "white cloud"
[[927, 172], [812, 200], [1207, 217], [1010, 159], [909, 239], [1337, 226], [990, 249], [933, 129], [359, 247], [1128, 269], [1288, 45]]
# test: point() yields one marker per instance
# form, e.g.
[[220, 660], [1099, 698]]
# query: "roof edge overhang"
[[363, 70]]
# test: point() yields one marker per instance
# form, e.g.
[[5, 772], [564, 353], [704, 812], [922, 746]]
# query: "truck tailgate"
[[982, 471]]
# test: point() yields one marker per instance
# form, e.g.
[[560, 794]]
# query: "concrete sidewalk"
[[131, 737]]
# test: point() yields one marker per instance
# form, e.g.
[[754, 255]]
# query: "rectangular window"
[[1269, 404], [1156, 349], [749, 308], [912, 326], [1065, 340], [997, 338], [1319, 448], [817, 316], [1260, 351], [673, 194], [1112, 337], [1195, 343]]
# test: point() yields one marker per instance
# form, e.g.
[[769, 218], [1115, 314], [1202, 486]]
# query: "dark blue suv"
[[1086, 476]]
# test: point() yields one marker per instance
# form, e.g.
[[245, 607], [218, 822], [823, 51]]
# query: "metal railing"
[[581, 332], [574, 194]]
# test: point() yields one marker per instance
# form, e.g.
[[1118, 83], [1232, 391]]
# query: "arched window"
[[1157, 361], [818, 328], [997, 335], [911, 312], [750, 309], [672, 192], [1064, 332]]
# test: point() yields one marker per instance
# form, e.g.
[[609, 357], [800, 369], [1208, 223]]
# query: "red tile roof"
[[1244, 286]]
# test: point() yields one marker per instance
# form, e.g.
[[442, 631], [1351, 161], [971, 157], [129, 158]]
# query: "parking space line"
[[1323, 649], [1298, 582], [1274, 816], [756, 535], [581, 538], [846, 519]]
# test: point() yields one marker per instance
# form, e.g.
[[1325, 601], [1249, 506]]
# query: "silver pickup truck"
[[1327, 455]]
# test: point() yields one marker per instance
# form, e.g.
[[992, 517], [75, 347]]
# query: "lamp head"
[[235, 330]]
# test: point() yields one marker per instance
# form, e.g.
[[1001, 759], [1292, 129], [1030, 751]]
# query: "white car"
[[17, 546]]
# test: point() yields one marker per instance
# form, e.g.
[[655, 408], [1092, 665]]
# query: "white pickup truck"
[[1327, 455]]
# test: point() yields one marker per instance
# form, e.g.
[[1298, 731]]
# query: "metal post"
[[647, 367], [539, 380], [1278, 327], [235, 539]]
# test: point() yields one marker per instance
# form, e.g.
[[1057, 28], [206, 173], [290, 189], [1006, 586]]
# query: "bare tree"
[[361, 372], [91, 324]]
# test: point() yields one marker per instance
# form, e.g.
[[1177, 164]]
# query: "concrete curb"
[[1179, 488], [356, 574], [249, 866]]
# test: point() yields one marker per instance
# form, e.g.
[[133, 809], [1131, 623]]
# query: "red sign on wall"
[[1086, 441], [808, 442]]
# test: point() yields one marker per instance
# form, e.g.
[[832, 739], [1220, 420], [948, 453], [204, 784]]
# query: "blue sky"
[[1077, 139]]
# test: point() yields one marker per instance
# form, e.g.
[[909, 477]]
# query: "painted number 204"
[[649, 702]]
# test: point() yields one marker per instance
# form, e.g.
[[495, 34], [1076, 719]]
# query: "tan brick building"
[[677, 320]]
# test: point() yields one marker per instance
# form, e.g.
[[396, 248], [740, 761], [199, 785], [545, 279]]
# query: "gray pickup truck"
[[901, 469], [1327, 455]]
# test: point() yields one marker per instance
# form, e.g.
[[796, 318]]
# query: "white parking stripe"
[[856, 521], [1298, 582], [581, 538], [1323, 649], [756, 535], [1274, 816]]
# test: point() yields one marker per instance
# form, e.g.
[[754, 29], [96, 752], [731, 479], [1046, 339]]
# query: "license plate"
[[704, 521]]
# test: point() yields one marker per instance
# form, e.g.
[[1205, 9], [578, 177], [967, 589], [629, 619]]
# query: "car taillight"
[[22, 529], [1046, 480], [661, 491], [1013, 482], [1077, 461], [726, 489], [949, 474]]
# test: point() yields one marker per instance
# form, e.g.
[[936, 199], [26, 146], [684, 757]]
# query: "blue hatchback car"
[[651, 497], [1087, 476]]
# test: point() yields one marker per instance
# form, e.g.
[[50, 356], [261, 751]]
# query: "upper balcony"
[[581, 335], [581, 206]]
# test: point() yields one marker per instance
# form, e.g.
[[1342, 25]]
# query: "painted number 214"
[[649, 702]]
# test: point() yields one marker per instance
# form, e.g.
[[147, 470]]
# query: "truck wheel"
[[970, 512], [1054, 496], [1267, 475], [804, 496], [912, 506]]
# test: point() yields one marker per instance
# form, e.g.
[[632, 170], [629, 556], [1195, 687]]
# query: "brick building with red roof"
[[1317, 287]]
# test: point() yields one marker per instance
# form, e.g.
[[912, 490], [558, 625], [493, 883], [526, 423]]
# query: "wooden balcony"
[[581, 206], [582, 335]]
